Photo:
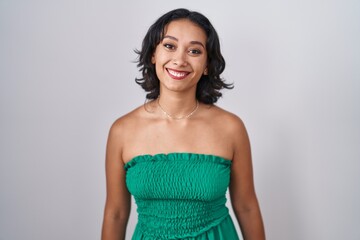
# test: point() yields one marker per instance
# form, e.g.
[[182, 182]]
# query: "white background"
[[67, 72]]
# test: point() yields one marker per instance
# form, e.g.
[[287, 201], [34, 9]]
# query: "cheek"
[[200, 66], [159, 69], [160, 58], [201, 62]]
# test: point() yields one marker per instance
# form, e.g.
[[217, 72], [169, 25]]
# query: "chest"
[[169, 177], [162, 138]]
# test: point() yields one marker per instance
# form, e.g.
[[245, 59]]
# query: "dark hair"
[[209, 86]]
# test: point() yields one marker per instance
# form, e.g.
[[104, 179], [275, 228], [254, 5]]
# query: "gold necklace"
[[178, 118]]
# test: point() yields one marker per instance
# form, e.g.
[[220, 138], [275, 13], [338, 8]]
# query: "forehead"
[[185, 30]]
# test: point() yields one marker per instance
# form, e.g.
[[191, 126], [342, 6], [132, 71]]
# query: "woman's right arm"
[[118, 199]]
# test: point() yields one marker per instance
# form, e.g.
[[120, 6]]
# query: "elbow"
[[118, 215], [246, 206], [241, 209]]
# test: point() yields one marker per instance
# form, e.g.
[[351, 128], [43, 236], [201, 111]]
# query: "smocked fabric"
[[180, 196]]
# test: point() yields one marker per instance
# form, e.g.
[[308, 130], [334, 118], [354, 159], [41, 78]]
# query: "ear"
[[206, 71], [153, 59]]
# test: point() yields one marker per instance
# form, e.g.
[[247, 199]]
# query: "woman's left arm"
[[241, 188]]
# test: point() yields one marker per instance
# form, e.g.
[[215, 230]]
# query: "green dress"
[[180, 196]]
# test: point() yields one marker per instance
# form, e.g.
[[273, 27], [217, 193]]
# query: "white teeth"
[[177, 74]]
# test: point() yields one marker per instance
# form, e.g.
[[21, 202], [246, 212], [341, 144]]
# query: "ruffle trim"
[[176, 156]]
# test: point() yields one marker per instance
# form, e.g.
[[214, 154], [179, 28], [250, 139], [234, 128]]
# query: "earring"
[[206, 71]]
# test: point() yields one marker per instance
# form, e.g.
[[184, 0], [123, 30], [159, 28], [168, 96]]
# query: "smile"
[[177, 74]]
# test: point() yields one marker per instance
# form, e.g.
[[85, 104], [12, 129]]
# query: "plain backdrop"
[[67, 72]]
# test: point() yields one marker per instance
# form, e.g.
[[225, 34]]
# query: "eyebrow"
[[192, 42]]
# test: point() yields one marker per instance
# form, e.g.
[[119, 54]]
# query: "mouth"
[[177, 75]]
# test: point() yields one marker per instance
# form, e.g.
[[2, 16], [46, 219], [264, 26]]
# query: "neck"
[[177, 106]]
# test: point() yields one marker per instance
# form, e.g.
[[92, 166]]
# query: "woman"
[[179, 152]]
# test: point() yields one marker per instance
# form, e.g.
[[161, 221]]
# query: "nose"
[[179, 58]]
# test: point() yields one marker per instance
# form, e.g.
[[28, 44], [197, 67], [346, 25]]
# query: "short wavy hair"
[[209, 86]]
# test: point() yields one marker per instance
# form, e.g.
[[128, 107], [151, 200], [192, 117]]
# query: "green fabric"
[[180, 196]]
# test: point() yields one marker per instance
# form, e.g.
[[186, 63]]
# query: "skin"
[[180, 61]]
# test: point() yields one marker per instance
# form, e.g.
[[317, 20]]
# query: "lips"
[[178, 75]]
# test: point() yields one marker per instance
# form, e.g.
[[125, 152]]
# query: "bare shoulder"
[[227, 120], [121, 126], [230, 126], [234, 130]]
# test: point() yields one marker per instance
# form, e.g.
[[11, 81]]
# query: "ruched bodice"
[[180, 196]]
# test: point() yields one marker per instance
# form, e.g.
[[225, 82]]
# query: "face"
[[180, 58]]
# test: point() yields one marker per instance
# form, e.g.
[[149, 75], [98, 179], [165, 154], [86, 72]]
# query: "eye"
[[169, 46], [195, 51]]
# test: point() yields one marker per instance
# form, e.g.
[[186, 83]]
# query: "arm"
[[241, 188], [118, 199]]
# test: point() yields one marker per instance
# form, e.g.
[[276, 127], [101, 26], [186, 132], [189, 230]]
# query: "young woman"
[[178, 153]]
